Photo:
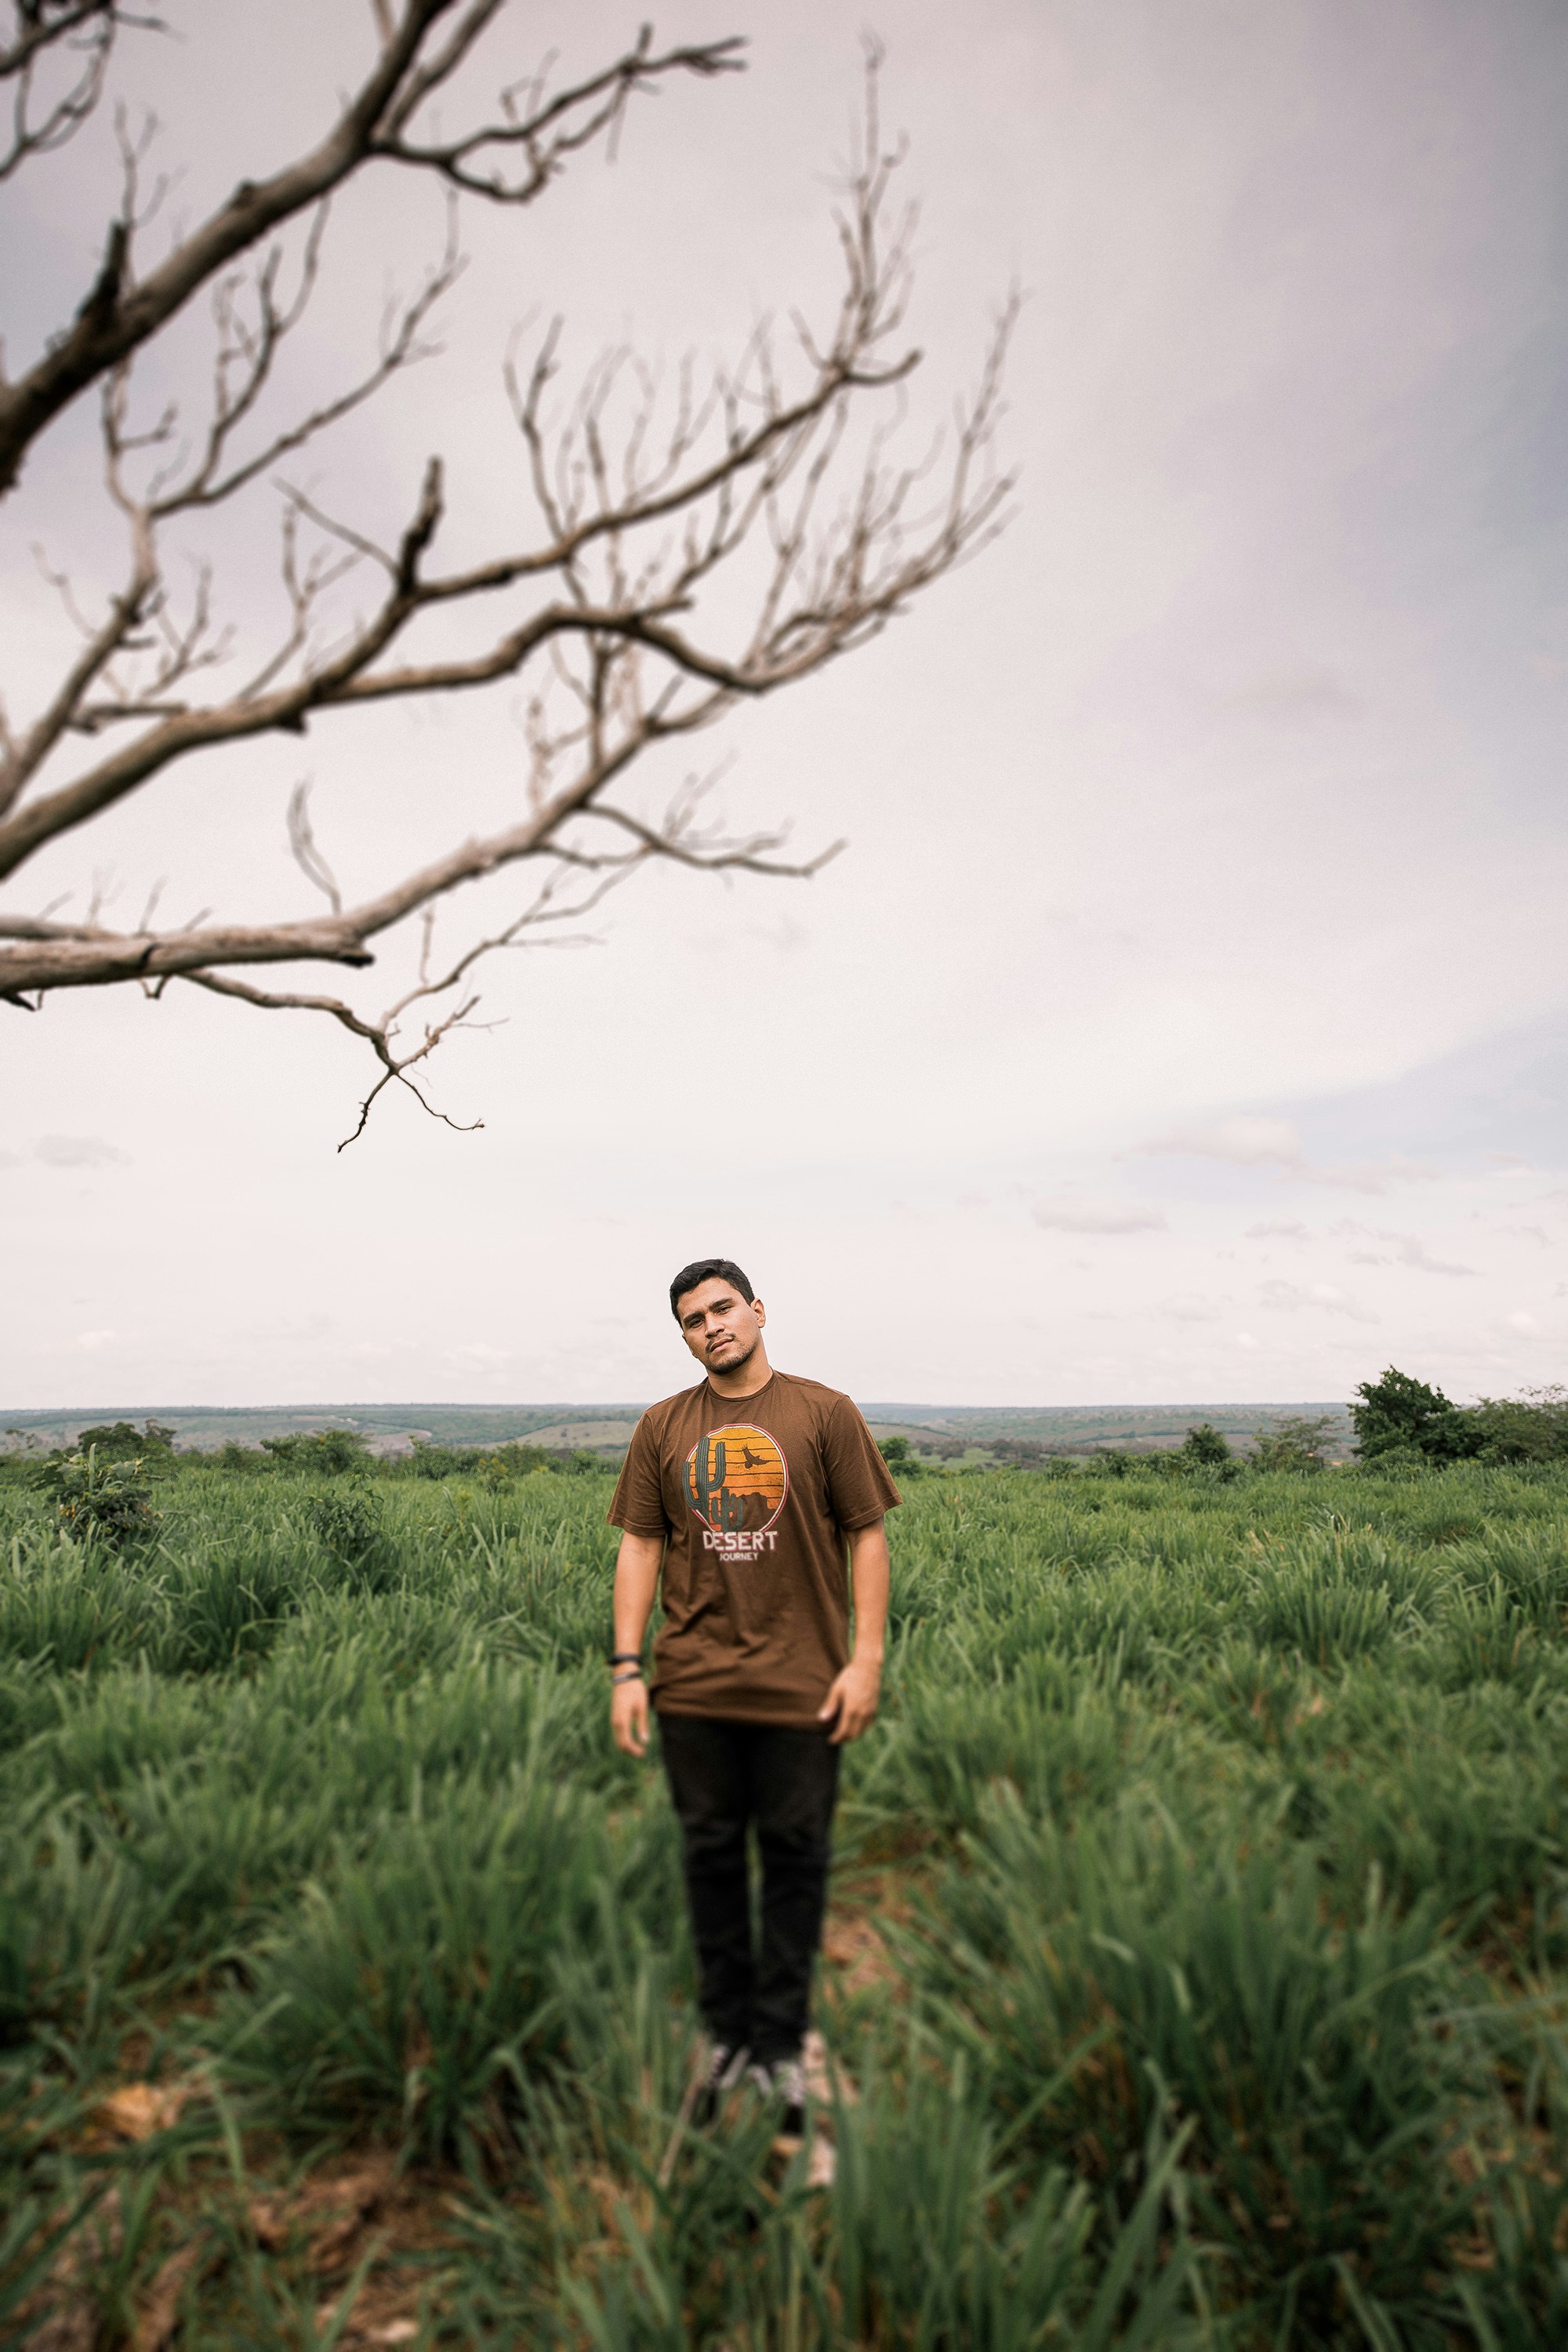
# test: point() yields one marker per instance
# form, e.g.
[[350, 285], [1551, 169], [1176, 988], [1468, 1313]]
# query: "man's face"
[[719, 1327]]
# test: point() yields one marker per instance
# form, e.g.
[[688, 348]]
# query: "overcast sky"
[[1186, 1017]]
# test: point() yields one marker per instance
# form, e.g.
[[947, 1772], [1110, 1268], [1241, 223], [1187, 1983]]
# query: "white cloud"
[[1249, 1142], [1244, 1141], [1290, 1297], [1403, 1249], [79, 1152], [1284, 1229], [1068, 1216], [90, 1342], [1188, 1307], [1412, 1252], [1372, 1176]]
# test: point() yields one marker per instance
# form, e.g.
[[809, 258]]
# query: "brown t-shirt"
[[755, 1495]]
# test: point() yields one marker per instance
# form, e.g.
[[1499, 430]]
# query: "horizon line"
[[584, 1410]]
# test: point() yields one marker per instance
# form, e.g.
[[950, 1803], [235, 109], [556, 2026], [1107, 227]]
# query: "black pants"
[[722, 1778]]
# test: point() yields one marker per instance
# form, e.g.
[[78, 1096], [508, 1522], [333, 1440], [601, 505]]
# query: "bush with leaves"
[[243, 1460], [21, 1454], [320, 1452], [1117, 1461], [1528, 1428], [347, 1523], [428, 1461], [1401, 1415], [120, 1441], [108, 1500], [1294, 1442], [494, 1465]]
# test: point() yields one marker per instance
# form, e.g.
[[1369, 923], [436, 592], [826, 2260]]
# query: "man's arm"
[[854, 1692], [637, 1564]]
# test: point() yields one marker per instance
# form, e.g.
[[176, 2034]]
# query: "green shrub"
[[347, 1523], [110, 1500], [1203, 1448], [121, 1440], [1528, 1428], [491, 1465], [1400, 1415], [321, 1453], [1292, 1442], [1115, 1462], [428, 1461], [242, 1460]]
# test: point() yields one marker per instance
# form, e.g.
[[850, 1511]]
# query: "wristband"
[[635, 1676], [626, 1658]]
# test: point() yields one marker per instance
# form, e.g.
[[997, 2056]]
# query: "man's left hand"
[[852, 1700]]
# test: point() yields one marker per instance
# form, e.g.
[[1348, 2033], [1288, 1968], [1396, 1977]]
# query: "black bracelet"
[[635, 1676], [626, 1658]]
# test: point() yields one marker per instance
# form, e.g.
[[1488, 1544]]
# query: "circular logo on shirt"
[[736, 1480]]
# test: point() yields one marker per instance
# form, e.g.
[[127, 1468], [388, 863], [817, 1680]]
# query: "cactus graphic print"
[[737, 1481], [755, 1513]]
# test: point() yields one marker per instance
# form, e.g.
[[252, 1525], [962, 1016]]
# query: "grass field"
[[1196, 1968]]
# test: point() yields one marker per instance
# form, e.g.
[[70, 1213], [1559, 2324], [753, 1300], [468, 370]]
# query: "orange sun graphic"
[[737, 1478]]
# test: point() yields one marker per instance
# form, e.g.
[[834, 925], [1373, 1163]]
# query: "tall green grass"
[[1218, 1834]]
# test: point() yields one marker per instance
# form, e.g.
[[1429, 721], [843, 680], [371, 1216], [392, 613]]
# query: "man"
[[747, 1492]]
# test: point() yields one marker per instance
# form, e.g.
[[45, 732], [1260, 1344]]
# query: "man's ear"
[[759, 1310]]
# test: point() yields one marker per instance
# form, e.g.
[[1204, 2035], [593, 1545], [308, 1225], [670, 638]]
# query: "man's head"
[[720, 1315]]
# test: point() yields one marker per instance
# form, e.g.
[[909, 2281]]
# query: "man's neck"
[[746, 1378]]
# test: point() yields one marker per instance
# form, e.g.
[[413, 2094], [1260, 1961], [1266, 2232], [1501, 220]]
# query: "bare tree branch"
[[77, 34], [119, 312], [384, 1036], [619, 610], [307, 857]]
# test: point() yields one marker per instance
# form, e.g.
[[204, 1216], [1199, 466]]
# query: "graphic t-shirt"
[[755, 1495]]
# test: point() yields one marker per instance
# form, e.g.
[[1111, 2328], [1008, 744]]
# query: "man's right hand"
[[629, 1715]]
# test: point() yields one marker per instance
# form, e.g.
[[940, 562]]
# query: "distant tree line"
[[1400, 1423], [103, 1484], [327, 1453], [315, 1453]]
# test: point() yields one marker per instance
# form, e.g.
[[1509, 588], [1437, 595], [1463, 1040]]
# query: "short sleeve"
[[638, 1504], [859, 1487]]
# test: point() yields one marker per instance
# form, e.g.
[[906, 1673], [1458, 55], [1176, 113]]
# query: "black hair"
[[708, 1269]]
